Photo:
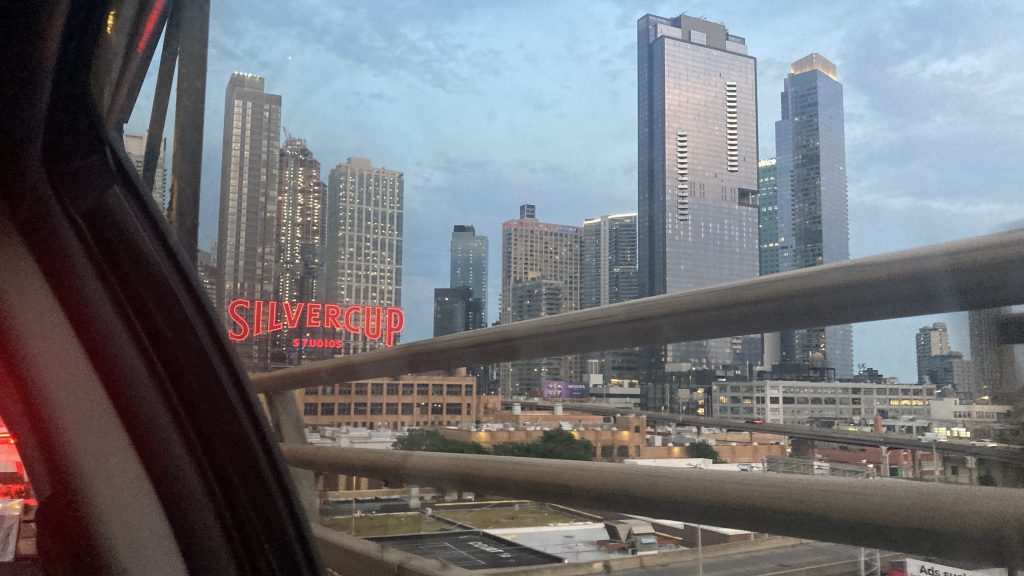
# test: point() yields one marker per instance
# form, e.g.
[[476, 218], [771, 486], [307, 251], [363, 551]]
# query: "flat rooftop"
[[574, 543], [470, 549]]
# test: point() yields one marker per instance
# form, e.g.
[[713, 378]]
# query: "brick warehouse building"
[[408, 401]]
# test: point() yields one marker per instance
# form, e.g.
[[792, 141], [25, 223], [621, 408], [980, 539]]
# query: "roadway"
[[1014, 455], [807, 558]]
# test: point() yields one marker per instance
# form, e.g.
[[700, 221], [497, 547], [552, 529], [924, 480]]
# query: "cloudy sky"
[[488, 105]]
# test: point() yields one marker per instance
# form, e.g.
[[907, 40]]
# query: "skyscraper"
[[207, 270], [768, 216], [812, 216], [608, 276], [939, 364], [996, 372], [363, 253], [247, 230], [135, 146], [455, 310], [697, 95], [469, 267], [300, 238], [608, 261], [930, 341], [547, 255]]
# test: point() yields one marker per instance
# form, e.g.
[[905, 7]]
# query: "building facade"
[[978, 419], [135, 146], [768, 216], [469, 267], [206, 267], [608, 253], [247, 227], [812, 217], [540, 268], [795, 402], [939, 365], [608, 275], [408, 401], [930, 341], [697, 181], [363, 249], [455, 310], [997, 372], [301, 225]]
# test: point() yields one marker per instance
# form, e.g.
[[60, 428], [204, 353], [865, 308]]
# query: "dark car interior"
[[145, 444]]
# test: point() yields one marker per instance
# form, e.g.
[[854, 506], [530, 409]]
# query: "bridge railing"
[[969, 523], [941, 520]]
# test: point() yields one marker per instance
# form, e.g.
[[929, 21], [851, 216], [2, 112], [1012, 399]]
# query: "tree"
[[433, 441], [704, 450], [556, 443]]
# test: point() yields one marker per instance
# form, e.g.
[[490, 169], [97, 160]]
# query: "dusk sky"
[[485, 106]]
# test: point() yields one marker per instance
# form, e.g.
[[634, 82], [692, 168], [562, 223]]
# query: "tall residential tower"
[[812, 216], [608, 276], [300, 239], [697, 96], [363, 252], [135, 146], [247, 228], [540, 276], [469, 267]]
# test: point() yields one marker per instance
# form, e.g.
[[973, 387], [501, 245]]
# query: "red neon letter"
[[292, 316], [295, 342], [349, 324], [372, 322], [257, 321], [236, 317], [331, 314], [313, 315], [394, 325], [273, 324]]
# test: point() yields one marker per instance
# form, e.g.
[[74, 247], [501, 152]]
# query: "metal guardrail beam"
[[981, 272], [955, 522]]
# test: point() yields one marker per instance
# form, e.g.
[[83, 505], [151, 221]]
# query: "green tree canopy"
[[433, 441], [555, 443], [704, 450]]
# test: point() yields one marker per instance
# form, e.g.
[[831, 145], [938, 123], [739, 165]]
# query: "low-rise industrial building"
[[978, 419], [408, 401], [799, 402], [626, 438]]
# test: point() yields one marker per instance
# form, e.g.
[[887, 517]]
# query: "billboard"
[[564, 389], [921, 568]]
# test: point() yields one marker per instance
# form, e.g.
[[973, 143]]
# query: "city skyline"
[[453, 178]]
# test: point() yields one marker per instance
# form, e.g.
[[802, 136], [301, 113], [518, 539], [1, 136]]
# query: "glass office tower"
[[697, 186], [813, 220]]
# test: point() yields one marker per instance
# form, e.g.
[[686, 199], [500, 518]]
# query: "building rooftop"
[[470, 549], [814, 61]]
